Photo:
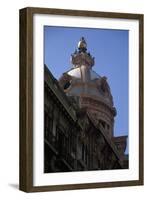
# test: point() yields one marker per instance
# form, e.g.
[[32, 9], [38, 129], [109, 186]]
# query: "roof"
[[55, 88], [77, 73]]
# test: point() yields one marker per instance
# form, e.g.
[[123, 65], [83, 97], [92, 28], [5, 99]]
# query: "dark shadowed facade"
[[79, 119]]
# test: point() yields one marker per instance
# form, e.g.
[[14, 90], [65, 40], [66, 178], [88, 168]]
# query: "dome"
[[77, 73], [82, 80], [94, 75]]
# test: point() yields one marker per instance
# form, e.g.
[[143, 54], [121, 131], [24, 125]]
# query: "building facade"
[[79, 119]]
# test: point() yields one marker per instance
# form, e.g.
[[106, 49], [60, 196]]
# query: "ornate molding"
[[82, 58]]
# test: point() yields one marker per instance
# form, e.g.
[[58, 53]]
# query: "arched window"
[[67, 85]]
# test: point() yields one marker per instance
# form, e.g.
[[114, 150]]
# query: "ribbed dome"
[[77, 73]]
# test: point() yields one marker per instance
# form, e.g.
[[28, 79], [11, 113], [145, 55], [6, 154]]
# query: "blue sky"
[[110, 49]]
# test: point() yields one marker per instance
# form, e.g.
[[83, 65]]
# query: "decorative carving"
[[65, 81], [103, 88], [81, 57]]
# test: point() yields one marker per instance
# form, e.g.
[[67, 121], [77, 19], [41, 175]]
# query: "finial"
[[82, 45], [82, 57]]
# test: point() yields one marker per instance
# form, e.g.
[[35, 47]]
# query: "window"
[[61, 140], [85, 153], [48, 125], [66, 85]]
